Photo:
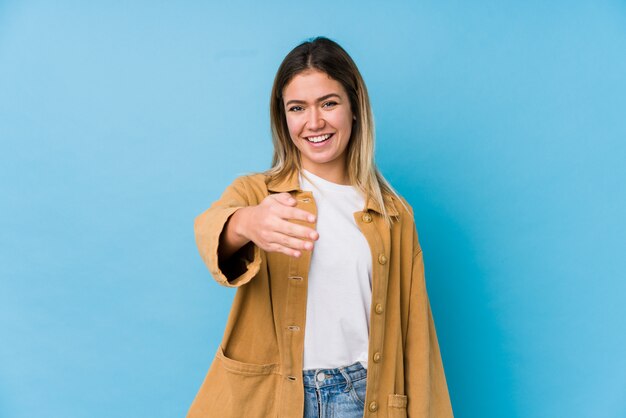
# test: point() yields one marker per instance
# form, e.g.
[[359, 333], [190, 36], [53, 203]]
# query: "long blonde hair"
[[327, 56]]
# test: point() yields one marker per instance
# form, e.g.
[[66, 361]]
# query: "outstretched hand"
[[267, 225]]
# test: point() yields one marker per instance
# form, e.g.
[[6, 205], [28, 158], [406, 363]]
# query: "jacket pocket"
[[396, 405], [234, 389], [247, 369]]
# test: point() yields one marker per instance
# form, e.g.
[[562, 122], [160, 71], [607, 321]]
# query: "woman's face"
[[319, 118]]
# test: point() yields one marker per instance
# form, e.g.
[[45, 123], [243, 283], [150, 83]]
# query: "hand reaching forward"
[[267, 225]]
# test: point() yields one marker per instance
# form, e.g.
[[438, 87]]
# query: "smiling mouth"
[[318, 139]]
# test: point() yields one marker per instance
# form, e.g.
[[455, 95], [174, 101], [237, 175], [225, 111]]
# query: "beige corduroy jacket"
[[257, 370]]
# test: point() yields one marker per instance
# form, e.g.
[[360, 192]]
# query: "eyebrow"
[[321, 99]]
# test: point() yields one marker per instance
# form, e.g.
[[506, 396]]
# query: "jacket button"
[[379, 308], [377, 357], [382, 259], [367, 217], [373, 406]]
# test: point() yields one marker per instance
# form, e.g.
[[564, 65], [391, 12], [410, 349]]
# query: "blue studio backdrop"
[[502, 123]]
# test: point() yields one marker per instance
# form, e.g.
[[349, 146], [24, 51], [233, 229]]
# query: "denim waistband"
[[319, 378]]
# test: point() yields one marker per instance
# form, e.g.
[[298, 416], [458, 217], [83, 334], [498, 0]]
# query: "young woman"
[[331, 317]]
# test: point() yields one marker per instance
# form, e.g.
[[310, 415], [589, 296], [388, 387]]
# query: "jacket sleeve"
[[425, 380], [245, 263]]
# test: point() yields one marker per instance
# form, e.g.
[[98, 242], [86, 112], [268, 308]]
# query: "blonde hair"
[[327, 56]]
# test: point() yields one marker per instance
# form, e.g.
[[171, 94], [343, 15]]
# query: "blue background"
[[502, 123]]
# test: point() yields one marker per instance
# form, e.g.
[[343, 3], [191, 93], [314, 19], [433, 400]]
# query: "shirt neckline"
[[328, 184]]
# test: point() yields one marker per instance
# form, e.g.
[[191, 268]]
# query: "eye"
[[295, 108], [330, 104]]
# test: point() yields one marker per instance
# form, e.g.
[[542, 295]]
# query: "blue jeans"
[[335, 393]]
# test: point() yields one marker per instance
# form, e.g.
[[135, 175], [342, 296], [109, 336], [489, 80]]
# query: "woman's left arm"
[[425, 380]]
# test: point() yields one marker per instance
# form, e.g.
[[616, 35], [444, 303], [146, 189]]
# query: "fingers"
[[289, 245], [297, 231], [286, 211], [284, 198], [297, 214], [285, 250], [292, 242]]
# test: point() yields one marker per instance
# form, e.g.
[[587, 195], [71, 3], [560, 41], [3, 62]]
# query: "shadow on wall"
[[472, 343]]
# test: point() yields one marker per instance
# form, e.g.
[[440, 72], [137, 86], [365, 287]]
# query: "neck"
[[335, 174]]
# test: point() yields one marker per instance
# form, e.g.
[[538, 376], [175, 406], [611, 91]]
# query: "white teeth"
[[318, 138]]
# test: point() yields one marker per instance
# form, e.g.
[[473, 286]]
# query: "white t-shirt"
[[340, 279]]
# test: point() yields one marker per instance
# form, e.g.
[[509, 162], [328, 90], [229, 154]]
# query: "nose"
[[315, 119]]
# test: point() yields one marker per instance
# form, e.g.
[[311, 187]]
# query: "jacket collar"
[[291, 183]]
